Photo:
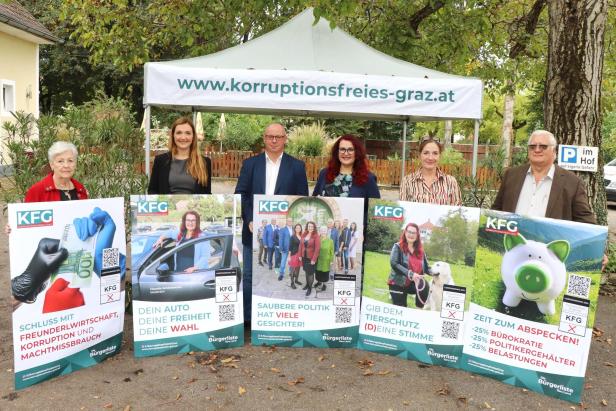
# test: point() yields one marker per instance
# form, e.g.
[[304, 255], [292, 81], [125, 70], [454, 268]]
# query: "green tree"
[[453, 238]]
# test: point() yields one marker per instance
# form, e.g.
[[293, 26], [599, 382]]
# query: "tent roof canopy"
[[302, 52], [302, 45]]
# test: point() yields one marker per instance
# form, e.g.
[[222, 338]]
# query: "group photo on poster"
[[307, 256], [67, 284], [534, 302], [418, 275], [186, 273]]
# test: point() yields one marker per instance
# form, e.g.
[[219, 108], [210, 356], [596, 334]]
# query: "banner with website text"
[[186, 273], [67, 282], [534, 302], [418, 276], [318, 91], [306, 276]]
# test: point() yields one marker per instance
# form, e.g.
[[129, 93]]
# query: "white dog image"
[[441, 275]]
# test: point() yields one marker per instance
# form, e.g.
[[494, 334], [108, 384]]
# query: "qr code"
[[578, 285], [344, 315], [450, 329], [111, 257], [226, 312]]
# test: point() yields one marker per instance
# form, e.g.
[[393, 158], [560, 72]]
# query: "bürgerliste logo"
[[273, 207], [441, 356], [152, 208], [109, 350], [383, 212], [563, 389], [339, 338], [34, 218], [501, 226], [226, 339]]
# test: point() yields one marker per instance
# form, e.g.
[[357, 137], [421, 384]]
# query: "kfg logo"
[[382, 212], [273, 207], [501, 225], [152, 208], [34, 218], [568, 154]]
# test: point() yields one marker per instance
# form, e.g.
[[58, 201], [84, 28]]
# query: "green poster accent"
[[435, 354], [333, 338], [215, 340], [82, 359], [564, 387]]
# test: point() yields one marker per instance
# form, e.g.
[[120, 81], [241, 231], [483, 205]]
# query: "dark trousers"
[[247, 281], [278, 257], [270, 257], [399, 294]]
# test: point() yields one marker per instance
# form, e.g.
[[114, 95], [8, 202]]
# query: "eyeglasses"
[[541, 147], [191, 220], [272, 138], [413, 232], [429, 138], [345, 150]]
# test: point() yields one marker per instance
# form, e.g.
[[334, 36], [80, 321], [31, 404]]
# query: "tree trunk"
[[507, 133], [448, 133], [572, 102]]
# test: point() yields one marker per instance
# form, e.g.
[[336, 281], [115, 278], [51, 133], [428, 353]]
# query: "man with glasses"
[[273, 173], [542, 189]]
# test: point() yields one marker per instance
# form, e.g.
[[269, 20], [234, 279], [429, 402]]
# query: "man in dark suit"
[[268, 242], [272, 172], [541, 188]]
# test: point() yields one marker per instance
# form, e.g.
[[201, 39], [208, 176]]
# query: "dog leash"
[[420, 280]]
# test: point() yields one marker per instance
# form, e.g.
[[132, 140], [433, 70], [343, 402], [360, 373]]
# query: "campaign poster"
[[67, 272], [307, 271], [186, 273], [534, 302], [418, 276]]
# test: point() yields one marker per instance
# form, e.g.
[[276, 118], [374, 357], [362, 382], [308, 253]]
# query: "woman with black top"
[[181, 170], [295, 259]]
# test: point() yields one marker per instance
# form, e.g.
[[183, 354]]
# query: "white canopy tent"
[[302, 68]]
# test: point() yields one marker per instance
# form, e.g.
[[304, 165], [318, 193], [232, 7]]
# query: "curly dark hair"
[[360, 167]]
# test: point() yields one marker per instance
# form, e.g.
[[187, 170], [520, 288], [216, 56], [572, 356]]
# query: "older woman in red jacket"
[[309, 248], [59, 185]]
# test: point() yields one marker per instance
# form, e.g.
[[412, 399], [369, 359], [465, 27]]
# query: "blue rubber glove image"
[[99, 220]]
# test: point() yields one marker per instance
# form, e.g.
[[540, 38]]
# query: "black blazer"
[[291, 181], [159, 179]]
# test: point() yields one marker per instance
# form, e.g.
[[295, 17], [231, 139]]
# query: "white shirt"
[[534, 196], [271, 174]]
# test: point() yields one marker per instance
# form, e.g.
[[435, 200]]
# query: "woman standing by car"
[[189, 258], [181, 170], [429, 184], [295, 259], [324, 262], [408, 265], [309, 248]]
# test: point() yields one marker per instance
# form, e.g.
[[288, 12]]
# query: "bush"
[[244, 131], [309, 140], [106, 135]]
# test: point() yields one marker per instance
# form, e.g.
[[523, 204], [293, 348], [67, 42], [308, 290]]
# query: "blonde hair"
[[195, 166]]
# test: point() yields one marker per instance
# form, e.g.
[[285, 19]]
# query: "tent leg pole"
[[475, 147], [194, 116], [403, 151], [147, 140]]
